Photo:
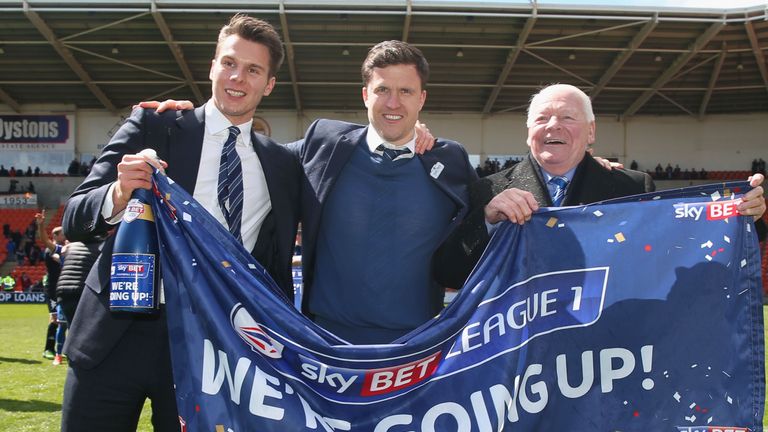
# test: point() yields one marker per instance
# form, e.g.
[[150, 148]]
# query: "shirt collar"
[[568, 174], [217, 124], [373, 139]]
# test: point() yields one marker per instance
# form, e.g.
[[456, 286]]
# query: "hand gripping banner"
[[639, 314]]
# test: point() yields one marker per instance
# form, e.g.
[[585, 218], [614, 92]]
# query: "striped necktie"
[[561, 184], [230, 190], [393, 154]]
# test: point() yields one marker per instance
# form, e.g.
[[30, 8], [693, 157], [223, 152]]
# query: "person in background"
[[52, 259], [557, 171]]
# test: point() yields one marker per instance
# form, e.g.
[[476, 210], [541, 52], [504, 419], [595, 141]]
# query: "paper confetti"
[[676, 396], [552, 222], [715, 196], [727, 239], [619, 237], [743, 262], [708, 244], [597, 213], [187, 217], [226, 264]]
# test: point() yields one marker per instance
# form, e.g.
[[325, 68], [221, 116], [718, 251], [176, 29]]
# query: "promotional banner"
[[22, 297], [37, 132], [642, 314]]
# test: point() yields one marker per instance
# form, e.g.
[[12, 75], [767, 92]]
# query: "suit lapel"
[[340, 154], [186, 146], [526, 176], [432, 163]]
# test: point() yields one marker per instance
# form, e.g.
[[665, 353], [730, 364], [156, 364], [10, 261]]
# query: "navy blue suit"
[[97, 334], [324, 152]]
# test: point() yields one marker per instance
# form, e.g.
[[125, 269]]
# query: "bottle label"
[[132, 283], [137, 209]]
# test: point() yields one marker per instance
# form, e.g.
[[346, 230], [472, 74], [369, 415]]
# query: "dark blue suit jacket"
[[326, 149], [177, 137]]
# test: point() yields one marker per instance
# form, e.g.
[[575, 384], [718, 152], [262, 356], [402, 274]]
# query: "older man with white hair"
[[557, 171]]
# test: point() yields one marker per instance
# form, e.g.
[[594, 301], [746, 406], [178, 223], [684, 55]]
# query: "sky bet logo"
[[713, 210]]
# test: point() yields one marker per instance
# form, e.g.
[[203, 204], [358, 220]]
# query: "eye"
[[228, 63], [381, 90]]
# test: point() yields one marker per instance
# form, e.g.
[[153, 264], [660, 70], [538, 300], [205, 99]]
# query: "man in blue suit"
[[373, 211], [117, 361]]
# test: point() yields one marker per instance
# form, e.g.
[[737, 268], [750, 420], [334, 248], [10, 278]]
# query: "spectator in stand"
[[12, 185], [31, 188], [21, 256], [633, 165], [37, 171], [29, 172], [3, 171], [74, 168], [9, 283], [52, 260], [25, 281], [676, 172], [34, 254], [6, 230], [669, 171], [659, 171], [10, 248], [12, 172]]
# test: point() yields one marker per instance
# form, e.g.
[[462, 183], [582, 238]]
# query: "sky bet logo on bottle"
[[711, 211]]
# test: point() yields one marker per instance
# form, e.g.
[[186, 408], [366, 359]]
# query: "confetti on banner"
[[610, 240], [727, 239], [691, 418], [692, 406], [715, 196], [561, 225], [187, 217], [677, 396], [743, 262], [597, 213], [551, 222], [708, 244], [252, 266], [619, 237], [709, 258], [186, 203], [226, 264], [168, 196]]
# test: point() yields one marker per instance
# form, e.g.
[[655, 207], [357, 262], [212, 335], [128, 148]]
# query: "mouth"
[[235, 93], [393, 117], [554, 141]]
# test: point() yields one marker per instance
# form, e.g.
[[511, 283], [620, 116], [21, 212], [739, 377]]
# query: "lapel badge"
[[437, 168]]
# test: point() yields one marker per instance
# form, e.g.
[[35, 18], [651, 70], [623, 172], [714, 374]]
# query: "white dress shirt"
[[373, 140]]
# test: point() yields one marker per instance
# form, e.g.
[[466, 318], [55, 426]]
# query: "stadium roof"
[[646, 57]]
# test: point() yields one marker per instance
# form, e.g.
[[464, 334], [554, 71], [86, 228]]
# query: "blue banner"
[[640, 314]]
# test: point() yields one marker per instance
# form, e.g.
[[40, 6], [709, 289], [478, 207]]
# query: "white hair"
[[585, 101]]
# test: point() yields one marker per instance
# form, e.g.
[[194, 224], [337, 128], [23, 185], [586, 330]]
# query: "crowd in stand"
[[75, 169], [21, 246], [670, 173], [492, 166]]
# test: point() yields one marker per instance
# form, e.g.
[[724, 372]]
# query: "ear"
[[210, 72], [365, 95], [592, 128], [422, 99], [270, 86]]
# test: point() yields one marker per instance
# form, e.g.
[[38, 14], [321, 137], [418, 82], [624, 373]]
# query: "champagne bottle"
[[135, 275]]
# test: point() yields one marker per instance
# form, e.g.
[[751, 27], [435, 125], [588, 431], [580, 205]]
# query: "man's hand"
[[753, 202], [134, 172], [40, 218], [166, 105], [424, 139], [514, 205], [608, 164]]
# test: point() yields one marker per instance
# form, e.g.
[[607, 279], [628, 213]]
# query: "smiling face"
[[394, 97], [559, 129], [240, 77]]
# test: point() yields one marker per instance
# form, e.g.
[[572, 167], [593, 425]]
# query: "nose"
[[393, 100], [553, 123], [236, 75]]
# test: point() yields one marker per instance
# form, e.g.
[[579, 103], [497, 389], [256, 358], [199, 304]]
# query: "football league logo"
[[253, 333]]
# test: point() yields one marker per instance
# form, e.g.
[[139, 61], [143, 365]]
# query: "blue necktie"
[[230, 188], [561, 184], [392, 154]]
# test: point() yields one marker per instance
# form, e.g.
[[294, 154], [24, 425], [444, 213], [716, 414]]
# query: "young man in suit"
[[373, 211], [561, 124], [117, 361]]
